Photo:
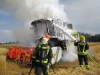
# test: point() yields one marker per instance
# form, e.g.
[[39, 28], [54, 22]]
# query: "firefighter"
[[41, 57], [82, 46]]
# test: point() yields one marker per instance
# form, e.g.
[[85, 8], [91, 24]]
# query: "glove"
[[75, 41]]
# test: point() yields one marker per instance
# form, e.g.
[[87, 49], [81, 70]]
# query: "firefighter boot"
[[81, 66], [87, 67]]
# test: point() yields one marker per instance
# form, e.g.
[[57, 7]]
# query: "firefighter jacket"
[[82, 46], [37, 54]]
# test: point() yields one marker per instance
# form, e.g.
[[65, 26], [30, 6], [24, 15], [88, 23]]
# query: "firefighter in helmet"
[[41, 57], [82, 46]]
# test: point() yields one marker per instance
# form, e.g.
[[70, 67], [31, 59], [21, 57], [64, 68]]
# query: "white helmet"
[[44, 41]]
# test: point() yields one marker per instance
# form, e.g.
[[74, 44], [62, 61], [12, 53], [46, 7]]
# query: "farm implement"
[[20, 54]]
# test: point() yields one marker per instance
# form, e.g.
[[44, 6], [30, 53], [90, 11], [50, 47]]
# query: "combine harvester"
[[61, 34]]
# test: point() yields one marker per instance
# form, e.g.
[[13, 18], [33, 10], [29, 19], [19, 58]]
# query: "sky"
[[16, 16]]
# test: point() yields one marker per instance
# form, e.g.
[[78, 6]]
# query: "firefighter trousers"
[[41, 68], [82, 58]]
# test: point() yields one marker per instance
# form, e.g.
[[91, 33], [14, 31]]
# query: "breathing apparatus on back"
[[43, 50]]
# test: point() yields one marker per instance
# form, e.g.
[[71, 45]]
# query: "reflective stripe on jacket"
[[45, 48], [81, 48], [45, 61], [42, 47]]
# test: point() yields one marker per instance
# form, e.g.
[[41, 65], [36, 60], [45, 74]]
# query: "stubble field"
[[61, 68]]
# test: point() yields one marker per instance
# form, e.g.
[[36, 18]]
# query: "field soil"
[[61, 68]]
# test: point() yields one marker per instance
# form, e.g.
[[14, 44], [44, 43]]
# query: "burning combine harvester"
[[61, 33]]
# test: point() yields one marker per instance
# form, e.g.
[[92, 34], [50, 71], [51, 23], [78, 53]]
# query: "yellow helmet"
[[82, 38], [44, 41]]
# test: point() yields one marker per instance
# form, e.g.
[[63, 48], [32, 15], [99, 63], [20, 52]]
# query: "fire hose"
[[32, 66], [93, 60], [52, 68], [90, 58]]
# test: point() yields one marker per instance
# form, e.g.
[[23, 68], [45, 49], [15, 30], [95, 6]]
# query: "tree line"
[[91, 38]]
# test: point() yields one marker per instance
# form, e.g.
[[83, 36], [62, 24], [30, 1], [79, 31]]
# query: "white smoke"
[[70, 55], [36, 9], [30, 10], [40, 9]]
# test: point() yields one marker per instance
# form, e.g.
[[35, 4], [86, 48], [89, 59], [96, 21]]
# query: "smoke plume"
[[70, 55], [30, 10]]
